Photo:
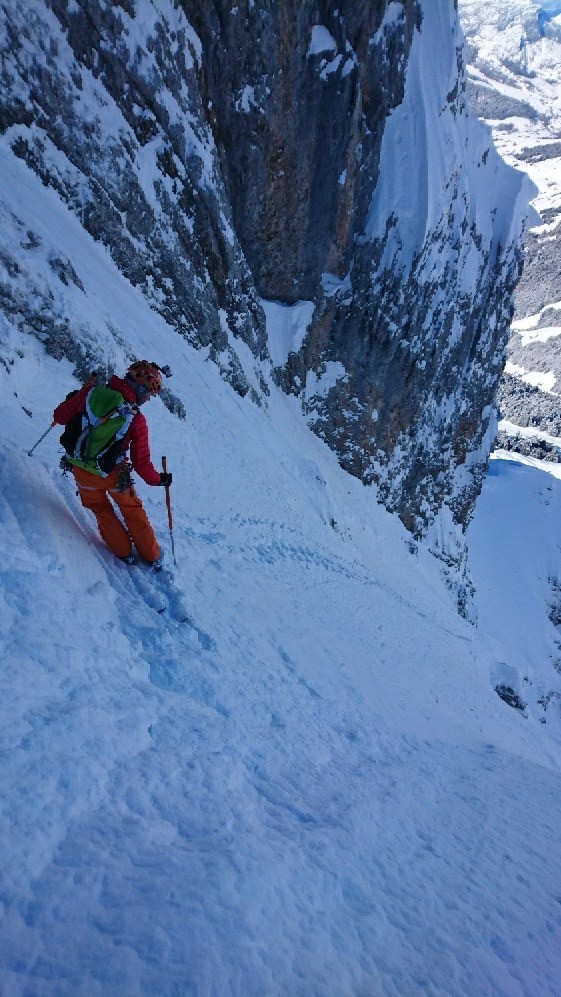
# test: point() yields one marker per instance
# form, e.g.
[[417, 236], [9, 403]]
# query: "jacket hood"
[[126, 389]]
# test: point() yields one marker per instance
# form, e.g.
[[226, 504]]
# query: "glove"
[[165, 478]]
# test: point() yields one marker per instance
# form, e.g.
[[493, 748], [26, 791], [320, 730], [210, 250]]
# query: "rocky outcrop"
[[527, 406], [102, 102]]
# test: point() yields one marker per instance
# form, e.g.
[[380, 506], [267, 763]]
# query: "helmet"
[[145, 375]]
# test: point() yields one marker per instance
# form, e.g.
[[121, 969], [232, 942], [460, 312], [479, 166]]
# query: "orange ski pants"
[[95, 493]]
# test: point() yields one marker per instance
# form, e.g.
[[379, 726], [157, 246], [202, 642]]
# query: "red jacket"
[[137, 434]]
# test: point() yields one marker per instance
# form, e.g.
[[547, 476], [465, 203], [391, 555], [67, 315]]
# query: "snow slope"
[[515, 549], [281, 769]]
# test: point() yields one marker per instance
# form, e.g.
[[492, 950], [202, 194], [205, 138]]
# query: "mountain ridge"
[[513, 55]]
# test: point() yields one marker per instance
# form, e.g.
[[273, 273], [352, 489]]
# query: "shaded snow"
[[415, 170], [321, 41], [286, 327], [517, 574]]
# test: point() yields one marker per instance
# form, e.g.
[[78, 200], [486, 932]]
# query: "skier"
[[100, 479]]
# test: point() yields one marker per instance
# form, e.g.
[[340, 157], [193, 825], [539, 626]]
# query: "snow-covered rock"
[[102, 103], [514, 71]]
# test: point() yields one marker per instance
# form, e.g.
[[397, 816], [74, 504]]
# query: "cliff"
[[514, 82], [298, 190]]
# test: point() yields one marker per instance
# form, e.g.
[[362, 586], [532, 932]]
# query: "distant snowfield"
[[284, 769], [506, 33], [544, 381], [530, 433], [529, 327]]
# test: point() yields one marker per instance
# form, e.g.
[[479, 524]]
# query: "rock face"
[[102, 102], [231, 156], [300, 97], [358, 181]]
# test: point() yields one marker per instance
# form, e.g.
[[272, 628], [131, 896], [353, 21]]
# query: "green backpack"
[[93, 438]]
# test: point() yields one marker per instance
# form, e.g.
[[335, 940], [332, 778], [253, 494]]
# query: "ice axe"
[[168, 504]]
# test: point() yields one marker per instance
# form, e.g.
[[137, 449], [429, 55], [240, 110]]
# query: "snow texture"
[[286, 327], [282, 768], [415, 169]]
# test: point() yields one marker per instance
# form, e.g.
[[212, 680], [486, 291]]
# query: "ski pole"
[[40, 440], [168, 504], [91, 380]]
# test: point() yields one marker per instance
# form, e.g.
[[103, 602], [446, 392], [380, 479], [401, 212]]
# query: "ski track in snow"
[[172, 823]]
